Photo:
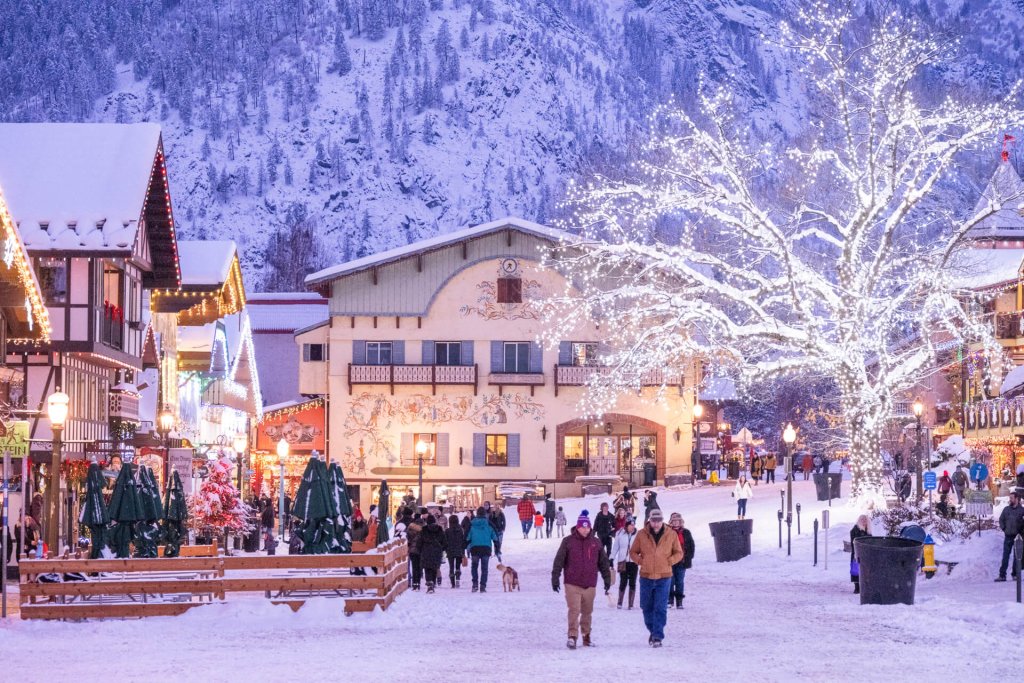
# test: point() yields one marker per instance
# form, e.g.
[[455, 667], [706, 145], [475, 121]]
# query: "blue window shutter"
[[467, 353], [398, 352], [428, 352], [536, 357], [441, 450], [497, 356], [479, 450], [358, 352], [513, 450], [405, 455], [565, 353]]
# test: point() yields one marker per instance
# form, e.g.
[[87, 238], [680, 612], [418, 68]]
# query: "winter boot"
[[475, 589], [571, 643], [622, 594], [679, 601], [632, 594], [483, 589], [856, 588], [430, 587], [586, 640], [655, 642], [452, 580], [458, 581]]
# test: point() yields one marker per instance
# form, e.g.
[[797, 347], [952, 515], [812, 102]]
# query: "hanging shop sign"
[[301, 425], [14, 438]]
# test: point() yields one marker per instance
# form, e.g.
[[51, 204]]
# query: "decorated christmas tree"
[[217, 506]]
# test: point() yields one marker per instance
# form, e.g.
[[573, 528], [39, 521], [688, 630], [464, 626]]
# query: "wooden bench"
[[209, 550]]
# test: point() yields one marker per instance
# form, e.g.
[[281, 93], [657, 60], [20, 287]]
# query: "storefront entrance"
[[629, 447]]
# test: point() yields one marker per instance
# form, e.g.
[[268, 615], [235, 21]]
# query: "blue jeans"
[[479, 562], [527, 525], [654, 604], [678, 576], [741, 507]]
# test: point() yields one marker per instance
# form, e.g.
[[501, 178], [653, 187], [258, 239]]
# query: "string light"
[[16, 258]]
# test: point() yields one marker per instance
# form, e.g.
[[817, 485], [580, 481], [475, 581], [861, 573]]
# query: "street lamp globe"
[[918, 407], [698, 411], [789, 434], [421, 447], [282, 451], [57, 408], [166, 422]]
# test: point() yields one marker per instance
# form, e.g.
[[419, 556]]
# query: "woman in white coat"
[[626, 568], [741, 493]]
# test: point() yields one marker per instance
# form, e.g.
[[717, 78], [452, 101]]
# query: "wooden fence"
[[171, 586]]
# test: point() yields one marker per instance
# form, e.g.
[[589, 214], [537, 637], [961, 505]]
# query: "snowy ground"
[[765, 618]]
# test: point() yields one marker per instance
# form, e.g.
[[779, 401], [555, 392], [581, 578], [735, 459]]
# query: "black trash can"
[[835, 482], [732, 539], [888, 569], [734, 469], [821, 485], [650, 472]]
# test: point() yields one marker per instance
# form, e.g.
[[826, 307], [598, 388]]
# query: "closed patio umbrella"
[[175, 516], [124, 512], [383, 505], [339, 491], [315, 506], [147, 529], [93, 515]]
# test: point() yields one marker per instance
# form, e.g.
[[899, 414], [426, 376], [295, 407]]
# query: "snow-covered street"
[[765, 618]]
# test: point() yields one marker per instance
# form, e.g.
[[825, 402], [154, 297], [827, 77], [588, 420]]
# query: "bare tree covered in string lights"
[[829, 255]]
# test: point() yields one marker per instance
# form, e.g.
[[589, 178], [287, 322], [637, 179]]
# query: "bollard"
[[789, 538], [815, 543], [1018, 550], [780, 529], [824, 525], [798, 519]]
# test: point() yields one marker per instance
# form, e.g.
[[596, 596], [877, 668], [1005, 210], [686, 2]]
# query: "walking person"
[[769, 468], [432, 547], [650, 503], [538, 525], [861, 528], [549, 514], [626, 499], [455, 549], [678, 591], [526, 512], [624, 564], [808, 463], [655, 550], [479, 541], [579, 558], [959, 483], [742, 492], [604, 528], [1011, 522], [412, 536], [756, 466], [621, 517], [496, 519], [560, 521]]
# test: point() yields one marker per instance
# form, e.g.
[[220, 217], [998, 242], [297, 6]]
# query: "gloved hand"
[[607, 588], [554, 586]]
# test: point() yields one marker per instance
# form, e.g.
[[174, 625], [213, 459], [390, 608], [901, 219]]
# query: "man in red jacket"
[[526, 512], [580, 557]]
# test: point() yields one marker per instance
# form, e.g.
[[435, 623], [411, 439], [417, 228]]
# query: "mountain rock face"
[[315, 131]]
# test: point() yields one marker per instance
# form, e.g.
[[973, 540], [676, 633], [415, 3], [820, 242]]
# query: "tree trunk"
[[865, 424]]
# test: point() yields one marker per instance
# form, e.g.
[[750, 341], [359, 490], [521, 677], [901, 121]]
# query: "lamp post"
[[698, 412], [57, 409], [789, 437], [240, 442], [282, 456], [918, 411], [421, 448]]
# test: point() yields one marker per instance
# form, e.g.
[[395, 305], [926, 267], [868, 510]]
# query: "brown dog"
[[509, 579]]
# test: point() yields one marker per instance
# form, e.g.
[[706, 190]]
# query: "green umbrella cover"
[[383, 505], [93, 515], [175, 516], [124, 512]]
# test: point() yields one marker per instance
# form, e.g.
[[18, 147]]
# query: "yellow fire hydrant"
[[928, 563]]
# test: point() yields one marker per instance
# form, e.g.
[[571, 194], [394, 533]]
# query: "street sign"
[[14, 438], [979, 472], [930, 483]]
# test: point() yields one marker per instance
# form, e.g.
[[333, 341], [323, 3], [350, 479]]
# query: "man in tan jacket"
[[655, 549]]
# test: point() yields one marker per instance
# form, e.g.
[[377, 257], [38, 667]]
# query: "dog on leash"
[[509, 579]]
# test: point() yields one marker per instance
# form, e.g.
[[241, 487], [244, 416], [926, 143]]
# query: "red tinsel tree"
[[217, 505]]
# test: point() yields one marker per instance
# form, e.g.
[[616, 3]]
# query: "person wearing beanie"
[[432, 545], [677, 593], [479, 540], [579, 559], [655, 550]]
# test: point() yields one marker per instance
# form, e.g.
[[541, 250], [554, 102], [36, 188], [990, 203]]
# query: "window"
[[510, 290], [378, 353], [517, 357], [314, 353], [584, 353], [430, 455], [448, 353], [497, 450], [53, 280]]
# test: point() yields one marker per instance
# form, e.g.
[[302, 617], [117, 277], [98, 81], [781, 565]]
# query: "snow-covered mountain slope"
[[313, 131]]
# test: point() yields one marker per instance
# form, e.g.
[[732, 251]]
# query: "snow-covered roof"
[[1013, 382], [983, 268], [310, 328], [1005, 188], [477, 231], [77, 186], [205, 262], [285, 315]]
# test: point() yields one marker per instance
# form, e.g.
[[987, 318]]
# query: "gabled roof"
[[310, 328], [87, 187], [206, 263], [20, 297], [1005, 188], [283, 313], [439, 242]]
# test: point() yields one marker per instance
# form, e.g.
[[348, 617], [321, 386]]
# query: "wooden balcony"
[[431, 375], [581, 375], [521, 379]]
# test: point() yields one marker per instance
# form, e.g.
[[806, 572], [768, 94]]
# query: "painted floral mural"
[[373, 423], [488, 308]]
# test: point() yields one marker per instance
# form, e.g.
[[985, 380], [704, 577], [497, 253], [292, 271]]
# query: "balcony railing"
[[580, 375], [432, 375]]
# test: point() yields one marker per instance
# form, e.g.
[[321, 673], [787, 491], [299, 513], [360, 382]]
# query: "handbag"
[[620, 566], [854, 568], [465, 561]]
